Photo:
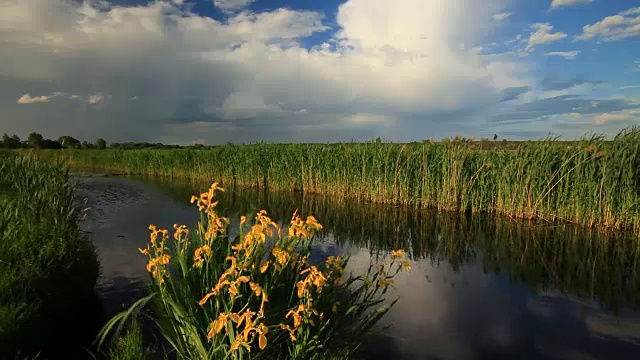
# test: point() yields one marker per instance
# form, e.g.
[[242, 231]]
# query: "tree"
[[50, 144], [35, 140], [12, 142], [101, 144], [16, 140], [69, 142]]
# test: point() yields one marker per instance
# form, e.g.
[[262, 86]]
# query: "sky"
[[240, 71]]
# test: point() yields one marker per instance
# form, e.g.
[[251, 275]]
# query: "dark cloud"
[[563, 104], [512, 93], [550, 84], [573, 104]]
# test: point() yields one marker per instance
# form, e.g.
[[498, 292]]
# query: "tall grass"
[[594, 182], [47, 267], [257, 295], [129, 346]]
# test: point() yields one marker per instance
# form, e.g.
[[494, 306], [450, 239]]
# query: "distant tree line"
[[142, 145], [37, 141]]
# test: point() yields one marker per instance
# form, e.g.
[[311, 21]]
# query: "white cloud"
[[543, 34], [251, 69], [617, 116], [230, 6], [612, 28], [569, 55], [364, 119], [562, 3], [27, 99], [629, 87], [501, 16], [632, 11], [94, 99], [518, 38], [133, 98]]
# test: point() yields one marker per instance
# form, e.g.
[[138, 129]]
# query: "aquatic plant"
[[129, 346], [594, 181], [258, 294], [48, 268]]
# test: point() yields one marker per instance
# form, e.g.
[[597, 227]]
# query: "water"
[[481, 287]]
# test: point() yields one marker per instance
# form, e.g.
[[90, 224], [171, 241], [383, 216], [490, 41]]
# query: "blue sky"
[[217, 71]]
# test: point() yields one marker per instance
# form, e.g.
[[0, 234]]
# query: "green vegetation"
[[594, 182], [48, 268], [584, 263], [130, 346], [37, 141], [257, 295]]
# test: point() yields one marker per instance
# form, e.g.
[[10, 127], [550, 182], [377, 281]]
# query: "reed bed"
[[593, 182], [47, 266]]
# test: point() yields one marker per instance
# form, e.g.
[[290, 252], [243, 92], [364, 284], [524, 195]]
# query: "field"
[[594, 182], [47, 267]]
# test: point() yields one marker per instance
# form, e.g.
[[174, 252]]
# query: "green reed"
[[129, 346], [47, 266], [594, 182]]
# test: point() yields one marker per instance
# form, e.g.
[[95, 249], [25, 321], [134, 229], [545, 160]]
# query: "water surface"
[[481, 287]]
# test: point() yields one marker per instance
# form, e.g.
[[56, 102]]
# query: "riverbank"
[[592, 182], [48, 268]]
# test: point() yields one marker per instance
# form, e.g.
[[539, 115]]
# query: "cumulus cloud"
[[27, 99], [501, 16], [543, 34], [566, 3], [621, 26], [250, 71], [569, 55]]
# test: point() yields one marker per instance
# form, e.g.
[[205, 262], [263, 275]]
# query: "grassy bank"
[[47, 267], [592, 182]]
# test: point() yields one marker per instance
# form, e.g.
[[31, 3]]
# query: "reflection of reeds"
[[591, 182], [585, 263], [214, 295]]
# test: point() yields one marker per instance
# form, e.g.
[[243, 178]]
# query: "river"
[[481, 287]]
